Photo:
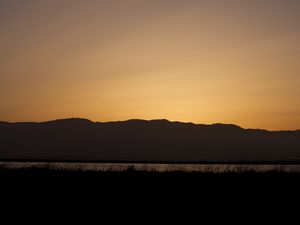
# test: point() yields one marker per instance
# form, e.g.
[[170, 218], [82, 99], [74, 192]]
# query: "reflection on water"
[[153, 167]]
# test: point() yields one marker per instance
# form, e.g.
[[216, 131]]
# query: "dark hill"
[[139, 140]]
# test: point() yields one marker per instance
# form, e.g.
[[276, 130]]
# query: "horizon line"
[[147, 120]]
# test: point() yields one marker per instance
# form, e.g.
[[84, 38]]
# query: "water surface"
[[214, 168]]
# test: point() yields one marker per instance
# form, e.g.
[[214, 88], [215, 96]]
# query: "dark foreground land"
[[130, 186], [134, 176]]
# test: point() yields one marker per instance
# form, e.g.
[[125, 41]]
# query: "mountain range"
[[144, 141]]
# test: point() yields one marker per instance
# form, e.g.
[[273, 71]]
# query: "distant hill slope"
[[139, 140]]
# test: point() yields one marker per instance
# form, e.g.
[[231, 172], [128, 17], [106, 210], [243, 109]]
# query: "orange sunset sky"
[[201, 61]]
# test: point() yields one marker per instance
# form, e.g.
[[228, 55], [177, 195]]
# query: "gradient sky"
[[201, 61]]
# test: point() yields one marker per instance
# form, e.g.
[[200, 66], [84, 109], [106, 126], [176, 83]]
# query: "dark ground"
[[122, 190]]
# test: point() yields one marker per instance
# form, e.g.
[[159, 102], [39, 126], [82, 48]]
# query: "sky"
[[201, 61]]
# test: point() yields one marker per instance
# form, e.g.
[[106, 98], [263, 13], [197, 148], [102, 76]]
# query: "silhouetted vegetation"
[[131, 172], [143, 184]]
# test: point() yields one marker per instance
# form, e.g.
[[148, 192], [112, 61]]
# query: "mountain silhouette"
[[144, 141]]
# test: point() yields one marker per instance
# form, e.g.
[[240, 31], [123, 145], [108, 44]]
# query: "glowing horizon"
[[200, 61]]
